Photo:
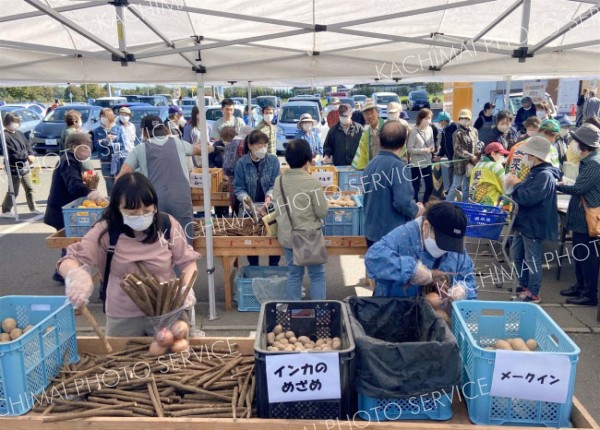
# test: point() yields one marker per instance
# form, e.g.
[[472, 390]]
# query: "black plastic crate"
[[315, 319]]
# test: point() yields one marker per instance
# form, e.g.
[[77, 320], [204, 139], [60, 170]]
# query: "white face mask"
[[306, 127], [335, 107], [124, 118], [104, 121], [14, 126], [541, 114], [138, 222], [464, 122], [260, 153], [79, 124], [527, 161], [499, 158], [345, 120], [503, 128], [182, 122], [576, 149], [432, 247], [393, 117], [268, 117], [531, 133], [564, 132], [426, 122]]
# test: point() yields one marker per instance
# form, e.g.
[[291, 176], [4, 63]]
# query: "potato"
[[284, 341], [297, 344], [4, 337], [27, 328], [518, 344], [280, 336], [8, 325], [16, 333], [278, 329], [532, 344], [434, 300], [320, 342], [289, 334], [299, 347], [326, 348], [293, 339], [336, 338], [316, 348], [289, 348], [278, 345], [49, 329], [272, 349], [503, 344], [304, 339], [270, 338], [337, 344]]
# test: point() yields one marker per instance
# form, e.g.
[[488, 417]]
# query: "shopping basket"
[[483, 221]]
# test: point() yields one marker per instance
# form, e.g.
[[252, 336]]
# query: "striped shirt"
[[271, 131]]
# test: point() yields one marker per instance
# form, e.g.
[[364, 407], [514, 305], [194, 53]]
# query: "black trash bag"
[[403, 348]]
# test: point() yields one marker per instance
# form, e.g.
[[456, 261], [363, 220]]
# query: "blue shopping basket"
[[483, 221]]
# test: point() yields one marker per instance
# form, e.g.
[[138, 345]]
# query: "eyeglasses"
[[135, 216]]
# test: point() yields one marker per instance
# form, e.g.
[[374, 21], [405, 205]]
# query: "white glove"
[[457, 292], [79, 286], [422, 275], [190, 300]]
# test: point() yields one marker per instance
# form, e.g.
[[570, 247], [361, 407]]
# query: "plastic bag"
[[171, 332], [271, 288]]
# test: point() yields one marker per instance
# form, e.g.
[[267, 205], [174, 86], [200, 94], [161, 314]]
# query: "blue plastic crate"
[[29, 362], [484, 222], [349, 179], [424, 407], [343, 221], [477, 324], [78, 221], [361, 228], [247, 302]]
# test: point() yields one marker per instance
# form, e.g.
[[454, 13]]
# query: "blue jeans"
[[296, 274], [458, 181], [526, 253]]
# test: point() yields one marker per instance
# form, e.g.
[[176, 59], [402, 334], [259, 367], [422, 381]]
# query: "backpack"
[[113, 238]]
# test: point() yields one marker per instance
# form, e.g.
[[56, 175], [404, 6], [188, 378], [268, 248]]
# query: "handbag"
[[308, 246], [592, 219]]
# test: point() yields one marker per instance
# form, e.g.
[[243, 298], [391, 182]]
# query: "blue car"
[[141, 110], [29, 118]]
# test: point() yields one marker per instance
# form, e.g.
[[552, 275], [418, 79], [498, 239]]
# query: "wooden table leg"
[[227, 278]]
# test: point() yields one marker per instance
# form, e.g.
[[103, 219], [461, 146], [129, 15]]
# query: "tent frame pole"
[[11, 187], [249, 105], [206, 184], [57, 9]]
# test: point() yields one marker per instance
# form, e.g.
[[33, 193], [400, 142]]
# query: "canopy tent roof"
[[301, 43]]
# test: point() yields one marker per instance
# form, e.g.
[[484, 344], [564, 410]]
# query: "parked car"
[[418, 100], [141, 110], [131, 98], [154, 100], [36, 107], [382, 100], [240, 100], [109, 101], [515, 102], [116, 108], [45, 137], [290, 115], [169, 98], [359, 98], [29, 118]]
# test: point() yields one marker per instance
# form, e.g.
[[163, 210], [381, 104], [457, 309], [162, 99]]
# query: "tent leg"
[[210, 265], [507, 93], [11, 188], [250, 116]]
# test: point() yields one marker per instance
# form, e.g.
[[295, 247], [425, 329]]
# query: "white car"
[[382, 100]]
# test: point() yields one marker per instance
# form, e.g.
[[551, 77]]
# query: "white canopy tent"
[[277, 43]]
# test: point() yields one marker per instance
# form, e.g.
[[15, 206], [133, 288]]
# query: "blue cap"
[[564, 120], [175, 109], [443, 116]]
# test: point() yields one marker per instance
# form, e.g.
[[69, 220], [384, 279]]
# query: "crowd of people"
[[414, 238]]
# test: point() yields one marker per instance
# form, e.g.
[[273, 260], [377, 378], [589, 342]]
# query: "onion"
[[180, 345], [156, 350], [9, 324], [434, 300], [164, 337], [180, 330]]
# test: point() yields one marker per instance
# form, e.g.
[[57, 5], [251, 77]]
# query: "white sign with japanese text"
[[539, 376], [325, 178], [535, 90], [296, 377]]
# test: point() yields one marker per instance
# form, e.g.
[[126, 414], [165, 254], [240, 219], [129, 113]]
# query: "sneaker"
[[530, 298], [524, 293], [57, 277], [37, 211], [7, 215], [520, 289]]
